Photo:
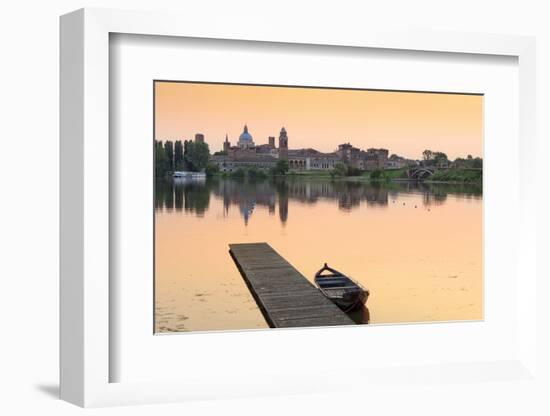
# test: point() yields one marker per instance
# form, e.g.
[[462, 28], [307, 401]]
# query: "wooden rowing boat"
[[340, 289]]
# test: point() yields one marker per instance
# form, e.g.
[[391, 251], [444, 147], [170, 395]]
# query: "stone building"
[[365, 160], [375, 159], [349, 154], [322, 161], [297, 162], [396, 162], [228, 163], [246, 154]]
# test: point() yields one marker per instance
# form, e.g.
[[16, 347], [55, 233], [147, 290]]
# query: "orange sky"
[[402, 122]]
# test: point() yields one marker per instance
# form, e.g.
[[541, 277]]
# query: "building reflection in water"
[[193, 196]]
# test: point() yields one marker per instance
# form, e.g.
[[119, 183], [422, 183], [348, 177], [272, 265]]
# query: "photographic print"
[[289, 206]]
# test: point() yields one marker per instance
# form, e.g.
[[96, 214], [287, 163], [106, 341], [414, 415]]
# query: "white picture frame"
[[86, 222]]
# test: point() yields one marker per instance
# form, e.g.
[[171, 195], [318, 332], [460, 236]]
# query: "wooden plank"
[[285, 297]]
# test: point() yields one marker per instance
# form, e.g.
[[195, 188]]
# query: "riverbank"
[[451, 176], [457, 176]]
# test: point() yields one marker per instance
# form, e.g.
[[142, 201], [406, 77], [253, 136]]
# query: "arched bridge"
[[420, 172]]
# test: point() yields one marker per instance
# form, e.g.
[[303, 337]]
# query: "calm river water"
[[416, 247]]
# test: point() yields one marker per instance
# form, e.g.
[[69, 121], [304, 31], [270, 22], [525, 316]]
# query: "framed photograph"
[[303, 227], [273, 214]]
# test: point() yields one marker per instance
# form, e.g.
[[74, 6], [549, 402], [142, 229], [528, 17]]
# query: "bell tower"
[[283, 144], [226, 144]]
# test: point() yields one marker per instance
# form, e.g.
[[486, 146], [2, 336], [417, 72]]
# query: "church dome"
[[245, 136]]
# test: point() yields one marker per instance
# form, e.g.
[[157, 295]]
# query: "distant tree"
[[338, 170], [431, 158], [238, 173], [377, 174], [440, 158], [161, 161], [196, 155], [281, 167], [259, 174], [169, 152], [469, 162], [477, 163], [220, 153], [178, 155], [252, 172], [255, 173], [352, 171], [212, 169], [459, 162], [427, 154], [185, 152]]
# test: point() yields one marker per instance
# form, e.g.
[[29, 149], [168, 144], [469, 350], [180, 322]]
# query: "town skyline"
[[404, 123], [234, 141]]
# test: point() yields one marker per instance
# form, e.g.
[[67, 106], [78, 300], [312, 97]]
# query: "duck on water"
[[340, 289]]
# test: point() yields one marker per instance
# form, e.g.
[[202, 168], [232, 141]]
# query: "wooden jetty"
[[285, 297]]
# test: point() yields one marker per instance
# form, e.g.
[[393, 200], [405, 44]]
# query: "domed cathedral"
[[245, 139], [283, 144]]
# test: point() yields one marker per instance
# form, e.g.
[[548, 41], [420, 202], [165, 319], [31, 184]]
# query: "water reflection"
[[392, 238], [193, 196], [360, 315], [180, 194]]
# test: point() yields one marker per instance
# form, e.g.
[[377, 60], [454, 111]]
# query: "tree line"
[[180, 156], [281, 168], [431, 158]]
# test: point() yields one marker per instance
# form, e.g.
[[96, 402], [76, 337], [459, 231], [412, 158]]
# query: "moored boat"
[[187, 174], [340, 289]]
